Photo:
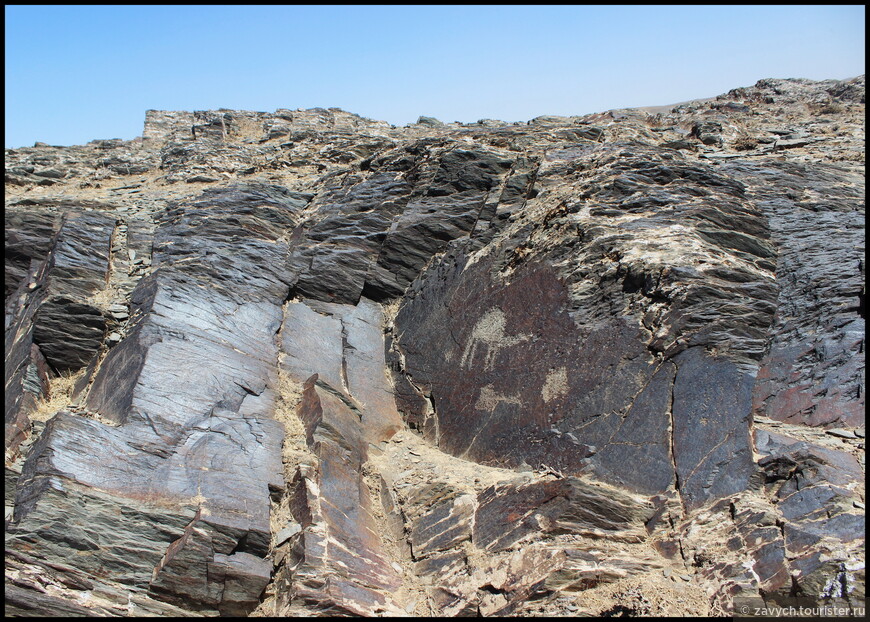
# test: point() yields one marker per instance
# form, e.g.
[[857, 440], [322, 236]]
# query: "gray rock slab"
[[711, 414]]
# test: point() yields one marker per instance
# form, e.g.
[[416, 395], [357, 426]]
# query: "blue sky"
[[78, 73]]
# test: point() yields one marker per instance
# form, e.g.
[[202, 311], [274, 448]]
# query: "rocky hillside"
[[307, 363]]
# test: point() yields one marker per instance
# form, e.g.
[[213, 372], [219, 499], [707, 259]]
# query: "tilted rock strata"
[[812, 371], [540, 368], [585, 360], [189, 393], [345, 406], [50, 320]]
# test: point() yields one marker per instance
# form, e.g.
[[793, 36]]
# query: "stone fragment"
[[430, 121], [202, 179], [708, 133], [119, 312], [68, 333], [23, 602], [441, 521], [680, 144], [286, 533], [841, 433], [793, 143], [337, 508], [245, 576], [28, 236]]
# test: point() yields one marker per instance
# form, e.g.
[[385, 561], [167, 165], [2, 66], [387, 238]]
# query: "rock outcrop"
[[307, 363]]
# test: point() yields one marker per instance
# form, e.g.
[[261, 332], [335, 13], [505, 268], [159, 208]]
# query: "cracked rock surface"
[[306, 363]]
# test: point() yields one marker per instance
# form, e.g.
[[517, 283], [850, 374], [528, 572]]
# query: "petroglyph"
[[490, 398], [489, 330], [556, 384]]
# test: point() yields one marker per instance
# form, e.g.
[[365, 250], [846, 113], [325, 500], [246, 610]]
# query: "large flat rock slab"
[[711, 442], [350, 361], [566, 342], [185, 404], [346, 405], [342, 568]]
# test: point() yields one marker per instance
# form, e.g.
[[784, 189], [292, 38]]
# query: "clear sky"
[[79, 73]]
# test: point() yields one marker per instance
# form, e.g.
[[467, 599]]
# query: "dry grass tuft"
[[830, 107], [391, 309], [295, 450], [59, 395], [745, 143], [653, 595], [103, 298], [850, 156], [288, 396]]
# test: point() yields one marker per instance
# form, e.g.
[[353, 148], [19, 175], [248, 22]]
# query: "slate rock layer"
[[307, 363]]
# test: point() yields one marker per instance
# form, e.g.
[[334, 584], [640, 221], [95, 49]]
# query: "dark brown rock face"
[[305, 363], [533, 364]]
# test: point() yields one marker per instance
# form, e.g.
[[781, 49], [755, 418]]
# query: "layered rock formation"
[[303, 362]]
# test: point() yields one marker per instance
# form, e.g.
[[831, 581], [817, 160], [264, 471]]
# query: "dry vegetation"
[[830, 107], [391, 309], [288, 396], [850, 156], [103, 298], [295, 449], [745, 142], [59, 395]]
